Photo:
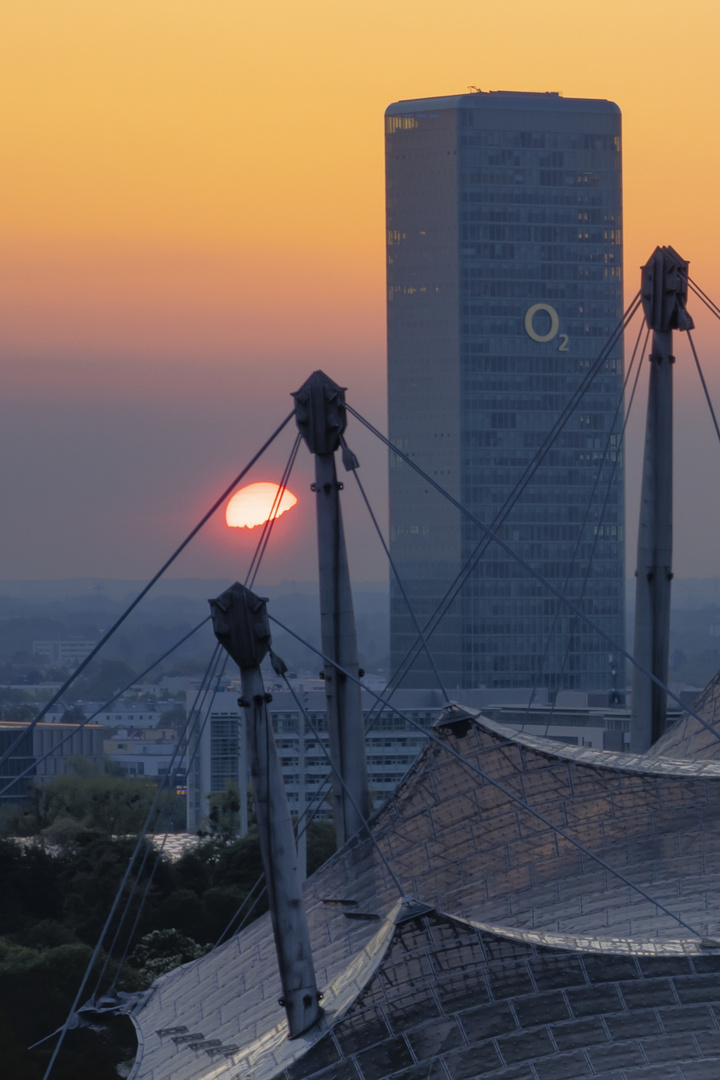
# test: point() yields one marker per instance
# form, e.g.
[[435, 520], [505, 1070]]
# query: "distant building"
[[68, 653], [504, 253], [153, 753], [139, 714], [34, 744]]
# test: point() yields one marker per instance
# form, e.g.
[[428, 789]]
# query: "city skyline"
[[193, 222]]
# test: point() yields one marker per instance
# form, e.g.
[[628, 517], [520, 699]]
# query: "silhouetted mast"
[[664, 296], [241, 626], [321, 419]]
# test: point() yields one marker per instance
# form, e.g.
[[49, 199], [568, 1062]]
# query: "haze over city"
[[193, 221]]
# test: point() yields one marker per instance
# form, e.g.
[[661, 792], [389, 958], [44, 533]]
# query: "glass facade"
[[504, 249]]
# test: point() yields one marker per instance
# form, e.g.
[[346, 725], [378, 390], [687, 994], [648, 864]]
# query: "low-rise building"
[[154, 753], [29, 746]]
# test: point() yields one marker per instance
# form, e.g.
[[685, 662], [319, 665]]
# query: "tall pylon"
[[241, 626], [664, 297], [321, 418]]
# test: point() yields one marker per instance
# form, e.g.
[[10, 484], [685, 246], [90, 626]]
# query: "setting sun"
[[255, 504]]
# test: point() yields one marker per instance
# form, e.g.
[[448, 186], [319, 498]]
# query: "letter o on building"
[[554, 322]]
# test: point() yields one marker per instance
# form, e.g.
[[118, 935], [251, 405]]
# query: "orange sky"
[[201, 183]]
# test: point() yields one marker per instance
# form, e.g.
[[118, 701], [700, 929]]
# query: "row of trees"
[[59, 810]]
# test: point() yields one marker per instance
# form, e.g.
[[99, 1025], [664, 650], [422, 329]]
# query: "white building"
[[151, 753], [218, 753]]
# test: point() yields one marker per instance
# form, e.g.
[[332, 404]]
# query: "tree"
[[161, 951], [19, 714], [321, 844], [79, 765], [224, 815], [172, 718], [73, 715], [31, 886], [104, 679], [51, 977], [107, 804]]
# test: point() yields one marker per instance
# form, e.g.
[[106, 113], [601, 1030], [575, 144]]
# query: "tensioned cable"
[[703, 296], [111, 915], [704, 384], [88, 719], [307, 816], [250, 576], [256, 560], [212, 665], [398, 579], [302, 824], [164, 788], [273, 516], [596, 538], [588, 507], [247, 898], [141, 906], [419, 727], [210, 680], [603, 462], [534, 463], [501, 787], [213, 681], [520, 486], [249, 582], [165, 655], [346, 789], [146, 588], [532, 571]]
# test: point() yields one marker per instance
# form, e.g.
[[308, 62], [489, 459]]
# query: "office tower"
[[504, 284]]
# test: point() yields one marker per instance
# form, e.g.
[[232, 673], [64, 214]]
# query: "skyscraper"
[[504, 283]]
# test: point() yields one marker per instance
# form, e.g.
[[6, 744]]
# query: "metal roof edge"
[[609, 759]]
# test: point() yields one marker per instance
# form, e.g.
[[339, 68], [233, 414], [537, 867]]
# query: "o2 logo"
[[546, 332]]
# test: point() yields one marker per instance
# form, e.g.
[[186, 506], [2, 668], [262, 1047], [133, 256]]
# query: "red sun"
[[255, 504]]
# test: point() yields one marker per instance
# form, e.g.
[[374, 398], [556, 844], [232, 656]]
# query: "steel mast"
[[241, 626], [321, 419], [664, 296]]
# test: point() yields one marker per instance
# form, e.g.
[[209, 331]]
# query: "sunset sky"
[[192, 221]]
